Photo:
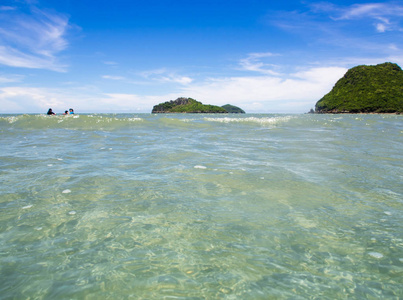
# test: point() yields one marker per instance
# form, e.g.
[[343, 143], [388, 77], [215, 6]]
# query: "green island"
[[233, 109], [366, 89], [190, 105]]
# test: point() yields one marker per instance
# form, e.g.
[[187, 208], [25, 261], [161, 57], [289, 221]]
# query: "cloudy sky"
[[126, 56]]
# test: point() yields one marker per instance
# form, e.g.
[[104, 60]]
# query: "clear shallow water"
[[201, 207]]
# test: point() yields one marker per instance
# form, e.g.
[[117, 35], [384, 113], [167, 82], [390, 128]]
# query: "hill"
[[366, 89], [233, 109], [186, 105]]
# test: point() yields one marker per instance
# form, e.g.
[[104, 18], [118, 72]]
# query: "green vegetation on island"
[[187, 105], [366, 89], [233, 109]]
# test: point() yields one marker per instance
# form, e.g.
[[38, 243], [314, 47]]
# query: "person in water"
[[50, 112], [66, 112], [71, 111]]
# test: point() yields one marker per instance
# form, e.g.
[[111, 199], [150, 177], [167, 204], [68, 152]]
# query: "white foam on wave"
[[12, 119], [134, 119], [262, 121], [67, 191], [200, 167], [375, 254], [27, 206]]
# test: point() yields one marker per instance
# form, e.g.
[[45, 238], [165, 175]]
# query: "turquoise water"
[[201, 206]]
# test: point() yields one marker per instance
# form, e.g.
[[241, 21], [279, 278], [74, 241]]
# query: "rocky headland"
[[366, 89]]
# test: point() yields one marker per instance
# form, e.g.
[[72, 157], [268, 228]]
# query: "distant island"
[[366, 89], [233, 109], [190, 105]]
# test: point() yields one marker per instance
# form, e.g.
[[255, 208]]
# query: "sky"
[[123, 56]]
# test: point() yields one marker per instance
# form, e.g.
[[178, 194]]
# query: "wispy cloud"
[[110, 63], [255, 62], [15, 58], [177, 79], [4, 8], [332, 31], [165, 76], [10, 78], [33, 39], [375, 10], [385, 16], [111, 77]]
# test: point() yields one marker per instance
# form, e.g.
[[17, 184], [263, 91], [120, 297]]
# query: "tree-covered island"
[[190, 105], [366, 89], [232, 109]]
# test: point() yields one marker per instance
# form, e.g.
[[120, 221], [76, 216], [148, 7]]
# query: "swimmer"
[[50, 112]]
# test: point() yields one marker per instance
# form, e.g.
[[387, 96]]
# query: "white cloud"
[[297, 92], [32, 40], [374, 10], [165, 76], [132, 102], [82, 99], [152, 73], [176, 79], [320, 75], [362, 10], [111, 63], [10, 78], [393, 47], [15, 58], [387, 15], [381, 27], [111, 77], [398, 59], [270, 94], [24, 99], [253, 62]]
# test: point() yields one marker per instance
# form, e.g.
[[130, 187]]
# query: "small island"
[[366, 89], [190, 105], [232, 109]]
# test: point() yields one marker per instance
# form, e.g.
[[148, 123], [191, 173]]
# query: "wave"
[[117, 121], [255, 120], [84, 122]]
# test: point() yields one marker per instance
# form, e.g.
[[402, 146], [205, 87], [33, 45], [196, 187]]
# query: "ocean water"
[[194, 206]]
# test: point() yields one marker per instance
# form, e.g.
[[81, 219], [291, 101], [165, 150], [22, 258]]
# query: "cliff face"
[[366, 89], [186, 105]]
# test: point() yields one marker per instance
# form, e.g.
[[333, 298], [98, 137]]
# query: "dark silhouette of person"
[[50, 112]]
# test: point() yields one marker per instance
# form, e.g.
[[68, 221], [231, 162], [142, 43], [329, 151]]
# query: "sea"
[[201, 206]]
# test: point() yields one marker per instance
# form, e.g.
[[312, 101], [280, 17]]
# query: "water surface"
[[198, 206]]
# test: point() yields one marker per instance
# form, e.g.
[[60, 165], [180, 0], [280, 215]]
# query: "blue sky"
[[127, 56]]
